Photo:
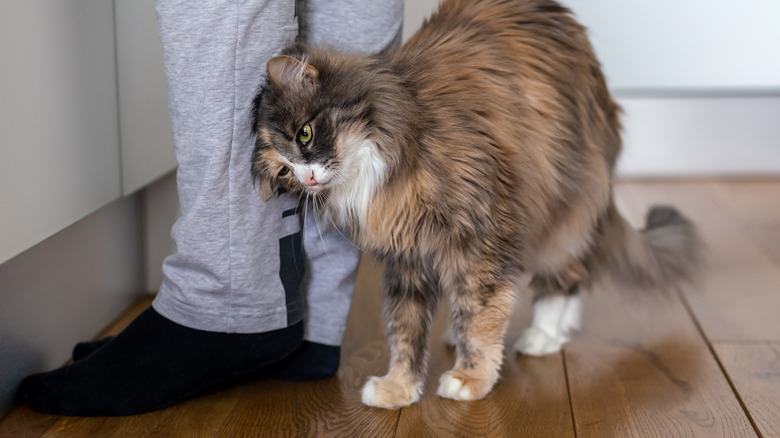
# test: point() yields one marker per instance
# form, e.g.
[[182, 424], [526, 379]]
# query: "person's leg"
[[353, 25], [229, 303]]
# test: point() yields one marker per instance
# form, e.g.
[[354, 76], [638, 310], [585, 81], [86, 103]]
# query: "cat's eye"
[[284, 171], [305, 134]]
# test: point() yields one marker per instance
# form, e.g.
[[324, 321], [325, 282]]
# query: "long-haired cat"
[[477, 155]]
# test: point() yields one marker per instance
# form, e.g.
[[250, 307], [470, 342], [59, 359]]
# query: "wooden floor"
[[704, 362]]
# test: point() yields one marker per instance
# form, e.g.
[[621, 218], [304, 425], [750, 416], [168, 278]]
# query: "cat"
[[476, 156]]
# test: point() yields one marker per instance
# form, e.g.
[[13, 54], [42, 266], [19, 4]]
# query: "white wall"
[[670, 136], [415, 11], [691, 45]]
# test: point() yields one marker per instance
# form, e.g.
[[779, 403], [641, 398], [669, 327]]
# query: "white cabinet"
[[75, 134], [59, 135], [146, 136]]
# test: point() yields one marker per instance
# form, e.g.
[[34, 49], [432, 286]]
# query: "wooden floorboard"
[[23, 422], [754, 368], [703, 361], [756, 205], [641, 367], [737, 297]]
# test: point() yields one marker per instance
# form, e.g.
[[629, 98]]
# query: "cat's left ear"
[[287, 71], [268, 186], [260, 174]]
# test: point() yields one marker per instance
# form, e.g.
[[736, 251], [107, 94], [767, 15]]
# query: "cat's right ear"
[[286, 71]]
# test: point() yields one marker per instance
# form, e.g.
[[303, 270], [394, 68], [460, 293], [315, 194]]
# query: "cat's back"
[[533, 41], [467, 30], [513, 112], [507, 68]]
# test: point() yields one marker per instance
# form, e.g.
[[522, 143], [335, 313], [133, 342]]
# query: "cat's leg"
[[479, 320], [556, 314], [409, 305]]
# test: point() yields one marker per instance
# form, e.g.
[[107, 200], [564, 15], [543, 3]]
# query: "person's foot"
[[154, 363], [311, 361], [84, 349]]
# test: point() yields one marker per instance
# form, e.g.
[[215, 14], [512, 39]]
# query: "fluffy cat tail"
[[667, 251]]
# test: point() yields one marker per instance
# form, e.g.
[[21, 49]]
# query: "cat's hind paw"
[[382, 392], [537, 342], [458, 386]]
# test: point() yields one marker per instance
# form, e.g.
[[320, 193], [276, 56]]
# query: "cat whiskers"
[[337, 179], [338, 230], [316, 219]]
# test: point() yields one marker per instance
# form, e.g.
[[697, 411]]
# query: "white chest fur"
[[362, 171]]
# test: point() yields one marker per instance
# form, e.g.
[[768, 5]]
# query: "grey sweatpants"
[[240, 262]]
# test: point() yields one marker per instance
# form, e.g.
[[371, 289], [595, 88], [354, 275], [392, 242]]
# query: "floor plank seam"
[[568, 392], [397, 422], [722, 368]]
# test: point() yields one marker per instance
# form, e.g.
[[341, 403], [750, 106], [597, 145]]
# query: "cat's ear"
[[260, 174], [286, 71], [267, 188]]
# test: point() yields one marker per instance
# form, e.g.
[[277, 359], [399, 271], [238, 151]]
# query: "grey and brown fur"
[[479, 153]]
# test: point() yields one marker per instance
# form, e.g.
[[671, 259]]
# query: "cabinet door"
[[59, 148], [146, 136]]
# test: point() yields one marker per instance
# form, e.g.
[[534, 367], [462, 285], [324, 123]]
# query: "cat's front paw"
[[537, 342], [458, 385], [382, 392]]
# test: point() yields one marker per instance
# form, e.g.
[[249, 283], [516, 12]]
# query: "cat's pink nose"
[[309, 180]]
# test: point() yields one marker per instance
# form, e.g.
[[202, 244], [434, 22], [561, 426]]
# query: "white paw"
[[537, 342], [457, 386], [382, 392], [555, 317], [368, 394], [452, 387]]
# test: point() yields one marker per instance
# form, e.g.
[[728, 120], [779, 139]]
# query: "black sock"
[[311, 361], [84, 349], [154, 363]]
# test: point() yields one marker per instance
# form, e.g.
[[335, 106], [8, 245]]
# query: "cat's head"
[[310, 122]]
